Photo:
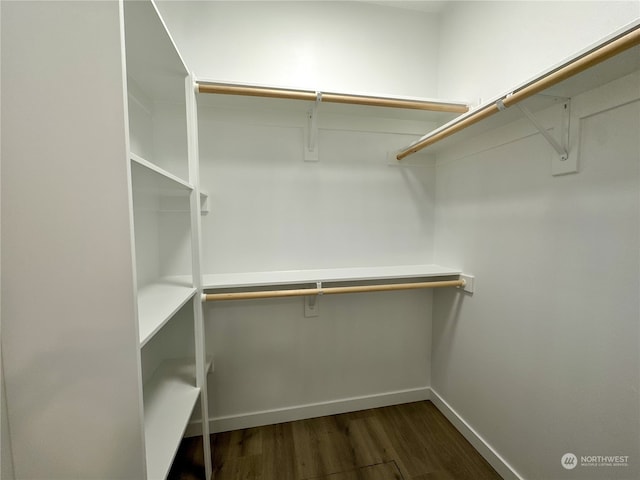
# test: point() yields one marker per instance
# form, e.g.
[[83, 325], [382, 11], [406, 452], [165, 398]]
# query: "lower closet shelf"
[[169, 398], [158, 302]]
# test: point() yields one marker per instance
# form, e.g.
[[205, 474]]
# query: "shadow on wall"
[[447, 306]]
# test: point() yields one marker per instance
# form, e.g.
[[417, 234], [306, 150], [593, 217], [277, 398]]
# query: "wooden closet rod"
[[311, 96], [303, 292], [578, 65]]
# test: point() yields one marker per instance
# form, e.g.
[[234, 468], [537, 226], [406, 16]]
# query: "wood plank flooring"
[[413, 441]]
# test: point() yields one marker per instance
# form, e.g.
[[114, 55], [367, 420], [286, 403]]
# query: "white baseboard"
[[299, 412], [501, 466]]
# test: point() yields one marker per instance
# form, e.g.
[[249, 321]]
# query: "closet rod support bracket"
[[311, 143], [312, 302], [561, 150], [468, 286]]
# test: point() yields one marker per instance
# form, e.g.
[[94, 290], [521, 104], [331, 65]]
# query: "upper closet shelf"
[[153, 60], [355, 274], [613, 57], [410, 108], [148, 177]]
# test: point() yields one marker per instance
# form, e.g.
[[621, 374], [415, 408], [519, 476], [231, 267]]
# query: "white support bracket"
[[560, 149], [561, 163], [570, 163], [204, 203], [312, 303], [311, 141], [468, 286]]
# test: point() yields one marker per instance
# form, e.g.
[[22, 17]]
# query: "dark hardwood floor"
[[413, 441]]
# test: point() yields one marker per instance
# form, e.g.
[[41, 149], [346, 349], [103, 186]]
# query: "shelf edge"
[[160, 171]]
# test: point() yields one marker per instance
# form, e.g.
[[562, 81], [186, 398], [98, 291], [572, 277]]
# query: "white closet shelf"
[[158, 302], [169, 398], [148, 177], [615, 56], [354, 274]]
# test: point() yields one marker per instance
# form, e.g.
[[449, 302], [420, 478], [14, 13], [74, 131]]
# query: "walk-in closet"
[[327, 240]]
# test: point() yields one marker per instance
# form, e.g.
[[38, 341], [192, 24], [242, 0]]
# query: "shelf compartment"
[[354, 274], [152, 57], [147, 177], [158, 303], [177, 204], [169, 399], [156, 76]]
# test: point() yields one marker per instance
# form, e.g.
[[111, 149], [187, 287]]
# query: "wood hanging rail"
[[303, 292], [580, 64], [328, 97]]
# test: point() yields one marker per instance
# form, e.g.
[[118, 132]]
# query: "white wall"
[[543, 360], [487, 48], [68, 327], [6, 455], [271, 210], [329, 46], [6, 460], [274, 365]]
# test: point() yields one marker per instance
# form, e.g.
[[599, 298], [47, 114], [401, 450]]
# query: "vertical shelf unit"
[[166, 209]]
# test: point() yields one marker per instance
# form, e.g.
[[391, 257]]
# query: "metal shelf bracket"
[[562, 150], [311, 144], [469, 281], [312, 302]]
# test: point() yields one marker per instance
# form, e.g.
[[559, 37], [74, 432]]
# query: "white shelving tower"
[[104, 367], [166, 209]]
